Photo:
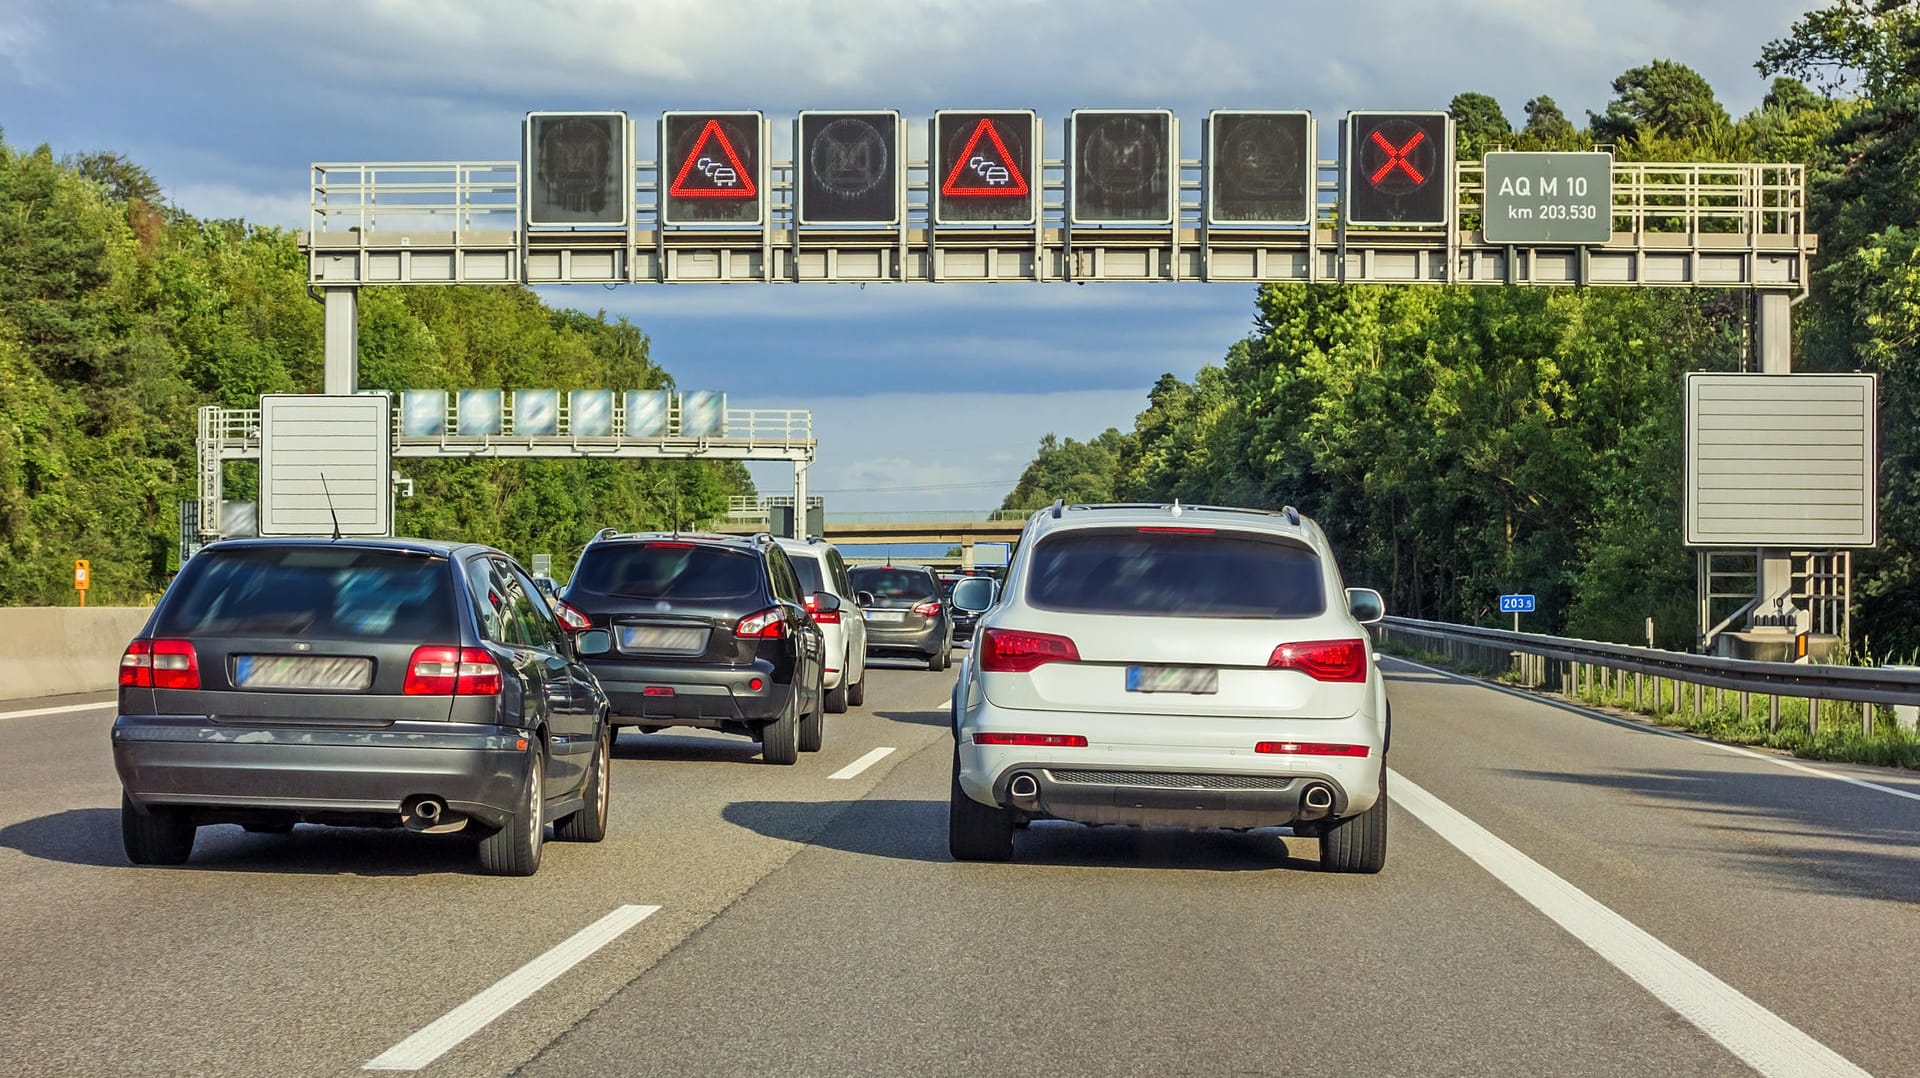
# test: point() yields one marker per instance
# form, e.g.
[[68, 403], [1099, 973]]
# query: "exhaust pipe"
[[1316, 801], [429, 814], [1024, 791]]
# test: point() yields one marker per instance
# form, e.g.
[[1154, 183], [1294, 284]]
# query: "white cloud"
[[219, 200], [21, 39]]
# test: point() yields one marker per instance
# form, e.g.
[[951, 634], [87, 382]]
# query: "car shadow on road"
[[917, 831], [685, 747], [92, 837], [939, 718], [1869, 841]]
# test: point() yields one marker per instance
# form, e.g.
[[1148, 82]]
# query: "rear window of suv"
[[1175, 574], [687, 572], [325, 592], [894, 583]]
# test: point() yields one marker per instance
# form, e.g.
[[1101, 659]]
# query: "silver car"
[[824, 572]]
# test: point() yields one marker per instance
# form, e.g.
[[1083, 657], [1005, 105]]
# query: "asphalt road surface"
[[1565, 894]]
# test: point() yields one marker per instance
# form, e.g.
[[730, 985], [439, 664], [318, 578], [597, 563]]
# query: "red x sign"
[[1397, 158]]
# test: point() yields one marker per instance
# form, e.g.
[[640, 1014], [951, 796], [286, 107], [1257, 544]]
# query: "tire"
[[813, 726], [162, 835], [589, 823], [977, 832], [1358, 843], [514, 849], [780, 739], [857, 692], [937, 661], [837, 696]]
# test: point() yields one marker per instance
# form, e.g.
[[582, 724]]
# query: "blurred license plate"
[[301, 672], [888, 616], [659, 638], [1191, 679]]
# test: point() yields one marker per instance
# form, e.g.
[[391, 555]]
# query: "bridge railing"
[[1558, 663], [930, 516]]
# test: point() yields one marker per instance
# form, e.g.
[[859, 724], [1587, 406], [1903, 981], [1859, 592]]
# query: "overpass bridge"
[[940, 526]]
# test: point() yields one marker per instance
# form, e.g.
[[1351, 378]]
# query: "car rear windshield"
[[326, 592], [1175, 574], [887, 583], [687, 572]]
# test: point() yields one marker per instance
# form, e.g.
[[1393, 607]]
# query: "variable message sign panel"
[[1261, 167], [578, 168], [1398, 169], [850, 171], [1121, 166], [713, 168], [984, 167]]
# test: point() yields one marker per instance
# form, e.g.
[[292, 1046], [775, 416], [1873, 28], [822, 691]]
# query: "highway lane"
[[811, 925]]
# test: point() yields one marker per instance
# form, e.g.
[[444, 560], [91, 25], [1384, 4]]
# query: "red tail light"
[[813, 607], [160, 664], [770, 624], [1177, 531], [1011, 651], [1323, 660], [570, 619], [1309, 748], [929, 610], [1046, 741], [436, 670], [670, 546]]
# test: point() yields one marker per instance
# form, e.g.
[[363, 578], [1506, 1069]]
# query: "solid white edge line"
[[65, 710], [863, 763], [1681, 735], [1758, 1037], [441, 1035]]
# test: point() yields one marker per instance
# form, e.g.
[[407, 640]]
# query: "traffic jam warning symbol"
[[984, 160], [713, 168]]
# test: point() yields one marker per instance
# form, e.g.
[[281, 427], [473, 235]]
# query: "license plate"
[[887, 617], [1199, 680], [662, 638], [302, 672]]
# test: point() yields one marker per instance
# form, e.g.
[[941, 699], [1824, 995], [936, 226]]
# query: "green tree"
[[1478, 125], [1547, 127], [1663, 99]]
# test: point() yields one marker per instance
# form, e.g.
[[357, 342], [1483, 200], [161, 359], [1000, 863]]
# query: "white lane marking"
[[1737, 750], [863, 763], [440, 1036], [1761, 1039], [66, 710]]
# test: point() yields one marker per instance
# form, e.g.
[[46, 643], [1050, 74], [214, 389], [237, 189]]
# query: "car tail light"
[[1176, 531], [1323, 660], [770, 624], [831, 617], [1309, 748], [446, 671], [928, 610], [1011, 651], [1045, 741], [160, 664], [570, 619], [669, 546], [657, 690]]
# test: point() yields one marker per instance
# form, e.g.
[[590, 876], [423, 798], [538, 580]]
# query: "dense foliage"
[[1462, 442], [120, 316]]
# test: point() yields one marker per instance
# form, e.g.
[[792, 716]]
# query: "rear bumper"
[[1178, 771], [479, 771], [927, 640], [685, 695]]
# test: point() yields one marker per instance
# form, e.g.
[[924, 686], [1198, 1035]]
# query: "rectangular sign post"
[[1516, 605], [82, 578], [1548, 198]]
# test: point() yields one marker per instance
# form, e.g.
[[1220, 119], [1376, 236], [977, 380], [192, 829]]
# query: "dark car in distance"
[[708, 631], [361, 682], [908, 615]]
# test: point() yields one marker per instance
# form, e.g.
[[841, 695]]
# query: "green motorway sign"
[[1536, 198]]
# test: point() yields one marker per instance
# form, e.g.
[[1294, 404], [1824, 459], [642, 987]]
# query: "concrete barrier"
[[48, 650]]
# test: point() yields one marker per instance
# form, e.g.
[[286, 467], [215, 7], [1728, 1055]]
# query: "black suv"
[[708, 631], [367, 682]]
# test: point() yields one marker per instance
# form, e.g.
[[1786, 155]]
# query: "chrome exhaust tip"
[[1024, 790], [1316, 801], [429, 814]]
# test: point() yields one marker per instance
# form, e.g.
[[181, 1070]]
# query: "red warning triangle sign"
[[712, 168], [985, 171]]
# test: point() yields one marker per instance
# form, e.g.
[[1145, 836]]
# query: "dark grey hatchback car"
[[361, 682]]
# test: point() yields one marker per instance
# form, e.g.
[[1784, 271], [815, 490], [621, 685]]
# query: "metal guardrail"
[[1558, 661]]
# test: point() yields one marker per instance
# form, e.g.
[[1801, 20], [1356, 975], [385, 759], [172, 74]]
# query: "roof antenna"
[[330, 509]]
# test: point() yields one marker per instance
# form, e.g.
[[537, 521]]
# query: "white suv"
[[821, 568], [1187, 666]]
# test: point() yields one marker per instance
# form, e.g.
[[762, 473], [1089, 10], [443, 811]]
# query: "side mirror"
[[863, 598], [1366, 605], [825, 602], [971, 598], [592, 642]]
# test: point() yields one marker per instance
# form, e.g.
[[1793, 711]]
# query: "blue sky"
[[924, 396]]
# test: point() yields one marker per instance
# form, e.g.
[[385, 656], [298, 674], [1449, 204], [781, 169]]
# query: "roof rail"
[[604, 533], [1058, 505], [763, 537], [1293, 515]]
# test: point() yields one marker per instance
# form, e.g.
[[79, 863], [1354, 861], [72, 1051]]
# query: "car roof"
[[438, 547], [742, 542], [890, 565], [1286, 521]]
